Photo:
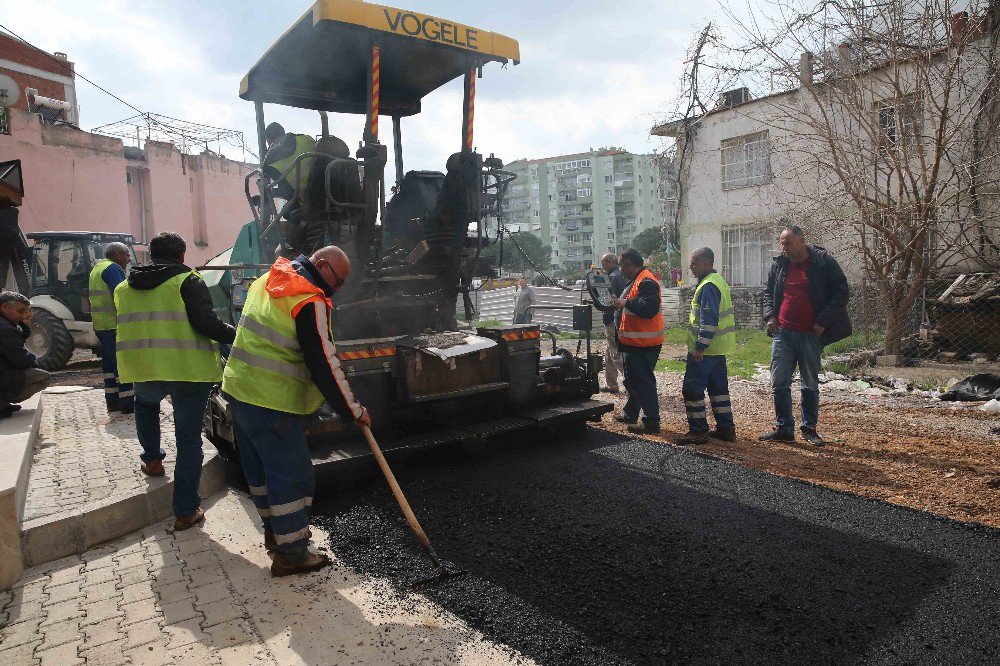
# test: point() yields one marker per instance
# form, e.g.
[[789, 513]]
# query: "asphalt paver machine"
[[414, 257]]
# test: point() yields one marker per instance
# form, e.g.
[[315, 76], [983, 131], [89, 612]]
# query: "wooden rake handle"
[[418, 531]]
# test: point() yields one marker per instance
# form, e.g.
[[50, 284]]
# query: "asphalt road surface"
[[609, 550]]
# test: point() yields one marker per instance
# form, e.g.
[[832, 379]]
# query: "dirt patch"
[[938, 457]]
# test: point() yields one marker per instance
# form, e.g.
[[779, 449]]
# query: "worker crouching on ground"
[[282, 367], [108, 273], [640, 337], [20, 376], [711, 336], [167, 346]]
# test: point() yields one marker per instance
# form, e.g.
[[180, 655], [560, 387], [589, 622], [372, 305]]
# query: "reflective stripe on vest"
[[303, 144], [102, 302], [156, 342], [266, 367], [637, 331], [723, 342]]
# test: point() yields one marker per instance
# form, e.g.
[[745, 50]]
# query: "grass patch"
[[753, 348], [840, 369], [670, 365], [853, 342]]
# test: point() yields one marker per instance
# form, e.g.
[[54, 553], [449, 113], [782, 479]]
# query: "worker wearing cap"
[[282, 367], [282, 150], [108, 273], [168, 345]]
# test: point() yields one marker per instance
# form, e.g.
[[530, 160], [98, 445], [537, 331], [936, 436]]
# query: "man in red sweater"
[[805, 308]]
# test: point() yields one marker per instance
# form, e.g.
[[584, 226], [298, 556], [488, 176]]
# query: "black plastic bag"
[[983, 386]]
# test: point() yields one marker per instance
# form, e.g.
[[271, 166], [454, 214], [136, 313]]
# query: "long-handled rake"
[[444, 571]]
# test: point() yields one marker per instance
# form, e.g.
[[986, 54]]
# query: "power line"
[[63, 63], [220, 132]]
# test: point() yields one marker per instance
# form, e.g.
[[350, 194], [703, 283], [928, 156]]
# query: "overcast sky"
[[593, 73]]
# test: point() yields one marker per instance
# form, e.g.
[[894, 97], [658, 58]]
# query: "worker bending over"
[[108, 273], [166, 346], [282, 367]]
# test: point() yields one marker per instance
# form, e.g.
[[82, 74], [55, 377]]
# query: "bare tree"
[[883, 122]]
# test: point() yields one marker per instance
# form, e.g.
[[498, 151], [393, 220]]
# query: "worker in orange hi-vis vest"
[[639, 328]]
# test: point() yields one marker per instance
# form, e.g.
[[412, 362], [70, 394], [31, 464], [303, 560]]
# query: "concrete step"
[[69, 479]]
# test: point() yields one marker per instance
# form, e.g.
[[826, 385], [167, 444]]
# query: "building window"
[[583, 193], [611, 236], [746, 255], [901, 123], [746, 161], [609, 193], [534, 213]]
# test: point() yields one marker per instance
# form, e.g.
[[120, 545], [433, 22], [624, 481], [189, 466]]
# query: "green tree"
[[649, 241], [513, 258]]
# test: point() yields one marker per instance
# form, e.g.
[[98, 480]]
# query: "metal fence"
[[498, 304]]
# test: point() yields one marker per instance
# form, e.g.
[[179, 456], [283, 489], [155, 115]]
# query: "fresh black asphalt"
[[608, 550]]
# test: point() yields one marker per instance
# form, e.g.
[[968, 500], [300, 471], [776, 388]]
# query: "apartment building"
[[585, 204]]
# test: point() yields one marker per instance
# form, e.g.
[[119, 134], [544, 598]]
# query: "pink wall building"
[[77, 181]]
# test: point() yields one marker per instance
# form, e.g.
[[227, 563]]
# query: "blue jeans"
[[116, 394], [638, 365], [710, 375], [189, 400], [278, 469], [790, 349]]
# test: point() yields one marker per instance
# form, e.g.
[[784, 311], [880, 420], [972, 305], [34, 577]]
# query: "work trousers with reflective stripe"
[[711, 375], [277, 467], [116, 394], [189, 400]]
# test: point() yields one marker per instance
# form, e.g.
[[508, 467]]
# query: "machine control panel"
[[600, 289]]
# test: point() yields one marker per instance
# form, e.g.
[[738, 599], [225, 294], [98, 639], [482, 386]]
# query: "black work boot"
[[811, 436], [777, 435]]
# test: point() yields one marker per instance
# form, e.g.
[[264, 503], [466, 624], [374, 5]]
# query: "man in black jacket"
[[20, 376], [805, 308], [189, 397]]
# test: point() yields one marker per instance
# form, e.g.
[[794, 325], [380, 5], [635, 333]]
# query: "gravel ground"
[[916, 452], [612, 550]]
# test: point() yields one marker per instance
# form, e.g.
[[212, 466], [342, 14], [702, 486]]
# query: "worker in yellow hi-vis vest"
[[168, 345], [711, 336], [108, 273], [282, 368]]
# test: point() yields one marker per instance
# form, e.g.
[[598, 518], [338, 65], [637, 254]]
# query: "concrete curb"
[[17, 446], [53, 537]]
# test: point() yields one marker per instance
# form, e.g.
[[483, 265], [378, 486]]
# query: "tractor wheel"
[[49, 340]]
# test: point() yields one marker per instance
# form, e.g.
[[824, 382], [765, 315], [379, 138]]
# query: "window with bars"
[[746, 161], [746, 255]]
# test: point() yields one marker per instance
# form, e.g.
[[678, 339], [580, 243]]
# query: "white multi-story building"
[[873, 130], [585, 204]]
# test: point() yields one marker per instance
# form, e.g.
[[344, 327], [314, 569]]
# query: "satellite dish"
[[13, 92]]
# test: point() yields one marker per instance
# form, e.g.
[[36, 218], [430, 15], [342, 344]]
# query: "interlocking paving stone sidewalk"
[[205, 596], [84, 456]]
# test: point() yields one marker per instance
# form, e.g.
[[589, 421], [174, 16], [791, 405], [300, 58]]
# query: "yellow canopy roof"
[[321, 62]]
